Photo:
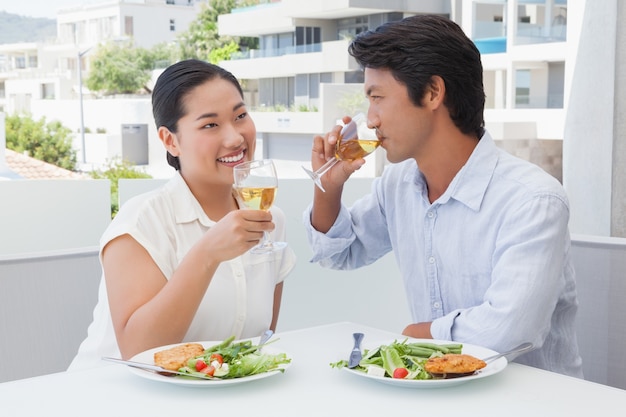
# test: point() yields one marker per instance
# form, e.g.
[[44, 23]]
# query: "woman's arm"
[[147, 309]]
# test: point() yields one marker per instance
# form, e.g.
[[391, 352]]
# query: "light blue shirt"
[[488, 262]]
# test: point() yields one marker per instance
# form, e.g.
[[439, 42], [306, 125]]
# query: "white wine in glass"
[[355, 141], [256, 184]]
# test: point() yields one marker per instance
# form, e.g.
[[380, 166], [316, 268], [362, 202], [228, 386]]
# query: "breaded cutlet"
[[453, 363], [176, 357]]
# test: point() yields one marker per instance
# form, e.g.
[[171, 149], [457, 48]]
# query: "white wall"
[[52, 215], [46, 305], [600, 265]]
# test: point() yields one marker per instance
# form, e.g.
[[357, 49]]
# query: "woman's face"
[[215, 133]]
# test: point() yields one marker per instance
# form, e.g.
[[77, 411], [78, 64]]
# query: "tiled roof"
[[34, 169]]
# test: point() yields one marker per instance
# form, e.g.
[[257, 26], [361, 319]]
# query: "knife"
[[154, 368], [355, 355]]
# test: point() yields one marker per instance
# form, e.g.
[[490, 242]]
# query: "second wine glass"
[[256, 184], [355, 141]]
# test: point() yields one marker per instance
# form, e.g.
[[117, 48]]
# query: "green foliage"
[[116, 169], [49, 142], [202, 40], [223, 54], [162, 55], [119, 69], [122, 68]]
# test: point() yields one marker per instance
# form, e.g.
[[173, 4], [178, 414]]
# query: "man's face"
[[404, 128]]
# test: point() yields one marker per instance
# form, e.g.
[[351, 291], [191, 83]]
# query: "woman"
[[176, 262]]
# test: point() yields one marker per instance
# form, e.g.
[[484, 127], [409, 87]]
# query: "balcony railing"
[[274, 52]]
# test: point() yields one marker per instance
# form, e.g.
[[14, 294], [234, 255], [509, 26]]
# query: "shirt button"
[[437, 304], [431, 214], [431, 259]]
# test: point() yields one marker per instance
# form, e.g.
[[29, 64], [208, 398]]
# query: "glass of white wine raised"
[[256, 183], [356, 140]]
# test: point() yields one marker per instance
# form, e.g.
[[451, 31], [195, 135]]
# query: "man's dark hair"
[[417, 48]]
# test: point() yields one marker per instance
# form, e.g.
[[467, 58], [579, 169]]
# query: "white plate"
[[148, 357], [480, 352]]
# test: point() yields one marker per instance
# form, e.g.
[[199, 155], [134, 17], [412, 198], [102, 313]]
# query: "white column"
[[593, 145], [547, 18], [500, 89], [510, 20]]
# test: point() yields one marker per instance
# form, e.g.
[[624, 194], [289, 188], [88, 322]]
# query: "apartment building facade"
[[49, 70], [46, 79], [301, 79], [302, 65]]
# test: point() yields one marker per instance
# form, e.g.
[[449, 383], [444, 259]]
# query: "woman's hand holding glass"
[[256, 184]]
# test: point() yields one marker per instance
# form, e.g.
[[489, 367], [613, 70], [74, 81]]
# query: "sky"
[[40, 8]]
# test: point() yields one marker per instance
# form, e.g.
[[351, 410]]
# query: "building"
[[46, 79], [543, 61], [302, 65], [50, 71]]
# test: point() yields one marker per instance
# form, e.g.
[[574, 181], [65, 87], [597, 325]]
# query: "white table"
[[309, 387]]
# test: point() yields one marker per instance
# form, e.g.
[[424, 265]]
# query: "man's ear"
[[169, 140], [435, 92]]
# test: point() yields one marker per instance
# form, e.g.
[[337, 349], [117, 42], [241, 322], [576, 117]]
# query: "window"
[[522, 88], [307, 37], [47, 91], [349, 28], [128, 25], [172, 25]]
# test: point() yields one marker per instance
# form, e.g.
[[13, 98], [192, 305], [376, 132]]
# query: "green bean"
[[221, 345], [431, 346], [421, 352]]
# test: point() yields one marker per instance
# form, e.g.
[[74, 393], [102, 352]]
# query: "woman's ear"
[[169, 140], [435, 92]]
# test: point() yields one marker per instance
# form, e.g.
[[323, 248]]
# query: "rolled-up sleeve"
[[336, 240]]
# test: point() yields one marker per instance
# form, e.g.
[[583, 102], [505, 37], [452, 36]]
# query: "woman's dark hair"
[[417, 48], [172, 87]]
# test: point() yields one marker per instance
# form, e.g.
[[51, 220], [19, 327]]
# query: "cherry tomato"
[[216, 357], [200, 365], [400, 373], [209, 370]]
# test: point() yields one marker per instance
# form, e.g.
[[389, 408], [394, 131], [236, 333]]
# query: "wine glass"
[[256, 184], [356, 140]]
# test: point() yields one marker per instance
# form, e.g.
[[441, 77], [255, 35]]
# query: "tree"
[[202, 40], [119, 68], [49, 142], [122, 68]]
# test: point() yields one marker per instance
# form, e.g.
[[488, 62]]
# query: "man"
[[481, 237]]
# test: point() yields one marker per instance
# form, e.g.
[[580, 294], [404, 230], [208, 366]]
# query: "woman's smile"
[[233, 158]]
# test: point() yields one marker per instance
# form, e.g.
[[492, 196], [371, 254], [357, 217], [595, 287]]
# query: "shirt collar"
[[470, 184], [187, 209]]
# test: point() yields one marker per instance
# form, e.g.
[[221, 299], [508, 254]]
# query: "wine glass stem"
[[266, 241], [328, 165]]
